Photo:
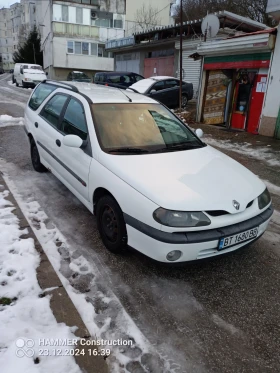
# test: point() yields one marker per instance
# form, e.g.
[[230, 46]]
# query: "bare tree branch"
[[147, 16]]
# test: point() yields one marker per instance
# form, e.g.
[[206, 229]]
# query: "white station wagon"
[[150, 180]]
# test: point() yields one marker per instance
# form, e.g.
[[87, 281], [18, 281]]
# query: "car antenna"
[[129, 99]]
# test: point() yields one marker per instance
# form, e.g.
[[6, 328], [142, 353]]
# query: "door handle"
[[36, 124], [58, 143]]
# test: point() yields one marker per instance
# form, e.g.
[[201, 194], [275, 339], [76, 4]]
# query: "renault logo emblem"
[[236, 205]]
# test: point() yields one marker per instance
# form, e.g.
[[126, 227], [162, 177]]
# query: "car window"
[[158, 86], [52, 110], [40, 94], [138, 77], [96, 78], [171, 83], [74, 121]]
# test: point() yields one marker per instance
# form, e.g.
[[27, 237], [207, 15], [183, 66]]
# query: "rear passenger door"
[[172, 92]]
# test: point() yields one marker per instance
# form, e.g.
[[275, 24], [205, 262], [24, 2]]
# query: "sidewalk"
[[35, 306]]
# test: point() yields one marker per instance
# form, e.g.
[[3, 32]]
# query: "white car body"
[[29, 75], [195, 180]]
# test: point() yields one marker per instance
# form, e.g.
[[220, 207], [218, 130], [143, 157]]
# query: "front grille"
[[217, 213]]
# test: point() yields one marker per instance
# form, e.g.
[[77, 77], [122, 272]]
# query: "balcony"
[[273, 9], [85, 31]]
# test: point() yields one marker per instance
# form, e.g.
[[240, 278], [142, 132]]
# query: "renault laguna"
[[151, 181]]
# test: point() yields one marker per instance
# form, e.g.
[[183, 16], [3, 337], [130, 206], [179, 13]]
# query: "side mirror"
[[21, 70], [199, 133], [72, 141], [153, 91]]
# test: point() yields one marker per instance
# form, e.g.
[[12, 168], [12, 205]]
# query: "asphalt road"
[[220, 315]]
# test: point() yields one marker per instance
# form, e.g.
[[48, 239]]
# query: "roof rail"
[[64, 85]]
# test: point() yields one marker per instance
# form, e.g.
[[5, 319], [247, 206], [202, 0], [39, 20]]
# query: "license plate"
[[238, 238]]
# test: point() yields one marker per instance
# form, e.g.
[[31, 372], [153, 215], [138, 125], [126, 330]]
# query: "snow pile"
[[261, 154], [7, 120], [24, 316]]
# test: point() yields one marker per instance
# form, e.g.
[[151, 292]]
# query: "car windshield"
[[141, 128], [33, 67], [80, 76]]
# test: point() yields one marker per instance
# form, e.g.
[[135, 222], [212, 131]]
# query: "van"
[[28, 75]]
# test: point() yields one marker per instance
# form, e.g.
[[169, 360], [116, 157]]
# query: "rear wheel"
[[111, 225], [35, 158], [184, 101], [16, 83]]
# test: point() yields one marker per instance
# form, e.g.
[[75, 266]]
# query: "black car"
[[117, 79], [1, 70], [164, 89], [11, 71], [78, 76]]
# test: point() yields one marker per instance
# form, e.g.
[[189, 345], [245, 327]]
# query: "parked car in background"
[[164, 89], [11, 71], [1, 70], [78, 76], [28, 74], [149, 179], [117, 79]]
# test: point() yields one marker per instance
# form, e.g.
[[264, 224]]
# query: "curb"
[[61, 305]]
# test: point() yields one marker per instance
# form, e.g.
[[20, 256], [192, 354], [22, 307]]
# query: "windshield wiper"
[[176, 147], [128, 150]]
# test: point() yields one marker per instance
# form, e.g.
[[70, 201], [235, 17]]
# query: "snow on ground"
[[11, 83], [274, 189], [7, 120], [85, 287], [261, 153], [24, 316]]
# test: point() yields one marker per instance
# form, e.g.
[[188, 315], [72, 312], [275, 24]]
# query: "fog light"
[[174, 255]]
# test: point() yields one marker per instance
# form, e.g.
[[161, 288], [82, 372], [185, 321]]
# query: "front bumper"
[[193, 245]]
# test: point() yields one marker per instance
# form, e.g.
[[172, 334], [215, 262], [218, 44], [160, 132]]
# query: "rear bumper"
[[193, 245]]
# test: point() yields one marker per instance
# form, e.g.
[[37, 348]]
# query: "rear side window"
[[40, 94], [53, 109], [74, 121]]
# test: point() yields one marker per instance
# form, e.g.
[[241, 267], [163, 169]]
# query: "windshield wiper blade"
[[128, 150], [174, 148]]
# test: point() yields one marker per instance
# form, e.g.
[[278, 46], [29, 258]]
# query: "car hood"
[[192, 180], [85, 80]]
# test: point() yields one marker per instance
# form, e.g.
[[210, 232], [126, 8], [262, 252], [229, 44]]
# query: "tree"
[[29, 51], [196, 9], [146, 17]]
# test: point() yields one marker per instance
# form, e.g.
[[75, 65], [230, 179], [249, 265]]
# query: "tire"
[[111, 225], [35, 158], [13, 79], [184, 101], [17, 84]]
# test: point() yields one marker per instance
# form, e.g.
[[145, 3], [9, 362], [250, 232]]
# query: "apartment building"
[[73, 34], [6, 39]]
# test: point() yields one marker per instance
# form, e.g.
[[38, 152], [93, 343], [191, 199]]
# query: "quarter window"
[[171, 83], [40, 94], [74, 121], [53, 109]]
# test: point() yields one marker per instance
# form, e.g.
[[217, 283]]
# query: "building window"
[[85, 48], [93, 49], [100, 51], [79, 15], [85, 1], [70, 47], [78, 47], [64, 13], [94, 2], [118, 22]]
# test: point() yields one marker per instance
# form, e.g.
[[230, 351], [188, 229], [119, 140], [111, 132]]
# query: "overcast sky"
[[7, 3]]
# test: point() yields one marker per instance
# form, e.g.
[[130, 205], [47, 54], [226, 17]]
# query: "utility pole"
[[181, 54], [34, 53]]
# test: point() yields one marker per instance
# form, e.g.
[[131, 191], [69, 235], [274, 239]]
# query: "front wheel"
[[111, 225], [35, 158], [184, 101]]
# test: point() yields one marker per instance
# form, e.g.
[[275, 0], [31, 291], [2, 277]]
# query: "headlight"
[[264, 199], [180, 218], [28, 80]]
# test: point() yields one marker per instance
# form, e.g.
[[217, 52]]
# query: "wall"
[[163, 7], [6, 39], [78, 62], [272, 99]]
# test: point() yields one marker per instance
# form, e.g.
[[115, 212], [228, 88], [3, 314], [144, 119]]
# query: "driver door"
[[158, 92]]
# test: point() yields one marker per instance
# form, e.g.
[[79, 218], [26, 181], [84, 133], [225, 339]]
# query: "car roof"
[[162, 77], [102, 94]]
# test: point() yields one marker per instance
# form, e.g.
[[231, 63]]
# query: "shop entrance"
[[242, 98]]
